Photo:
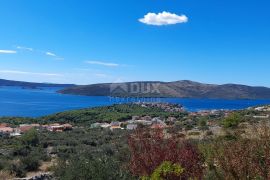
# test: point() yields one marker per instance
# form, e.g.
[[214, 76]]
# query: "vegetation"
[[150, 149], [232, 121], [183, 89], [86, 117], [240, 152], [166, 170]]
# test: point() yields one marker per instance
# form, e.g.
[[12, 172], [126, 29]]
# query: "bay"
[[15, 101]]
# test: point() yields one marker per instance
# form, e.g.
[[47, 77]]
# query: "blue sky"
[[84, 42]]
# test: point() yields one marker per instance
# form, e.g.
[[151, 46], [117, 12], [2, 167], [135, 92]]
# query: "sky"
[[97, 41]]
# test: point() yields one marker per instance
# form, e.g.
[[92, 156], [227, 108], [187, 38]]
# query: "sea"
[[19, 102]]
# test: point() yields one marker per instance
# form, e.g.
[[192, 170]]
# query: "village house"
[[146, 118], [96, 125], [132, 126], [158, 123], [105, 125], [58, 127], [135, 118], [115, 125], [16, 132], [144, 122], [6, 130], [171, 119], [100, 125], [261, 117], [23, 128]]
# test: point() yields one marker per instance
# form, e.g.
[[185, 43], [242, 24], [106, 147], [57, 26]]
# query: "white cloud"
[[24, 48], [28, 73], [7, 52], [164, 18], [54, 55], [51, 54], [103, 63]]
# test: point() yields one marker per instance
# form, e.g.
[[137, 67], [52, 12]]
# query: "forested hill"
[[22, 84], [182, 89]]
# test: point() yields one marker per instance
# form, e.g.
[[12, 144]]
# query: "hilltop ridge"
[[181, 89]]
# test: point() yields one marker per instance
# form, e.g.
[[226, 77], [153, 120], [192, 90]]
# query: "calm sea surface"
[[15, 101]]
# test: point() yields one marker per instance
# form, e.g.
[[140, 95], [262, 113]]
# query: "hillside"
[[182, 89], [31, 85]]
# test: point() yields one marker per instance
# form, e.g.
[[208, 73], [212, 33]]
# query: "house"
[[67, 127], [132, 126], [147, 118], [16, 132], [144, 122], [58, 127], [100, 125], [135, 118], [115, 125], [171, 119], [105, 125], [6, 130], [3, 125], [35, 125], [261, 117], [158, 124], [96, 125], [25, 128]]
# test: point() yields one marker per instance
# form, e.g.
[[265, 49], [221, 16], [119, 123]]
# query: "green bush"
[[232, 121]]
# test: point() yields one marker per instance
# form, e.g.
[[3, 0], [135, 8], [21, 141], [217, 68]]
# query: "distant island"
[[180, 89], [153, 89], [31, 85]]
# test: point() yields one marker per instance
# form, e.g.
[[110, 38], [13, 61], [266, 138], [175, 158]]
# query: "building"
[[115, 125], [135, 118], [144, 122], [6, 130], [3, 125], [67, 127], [58, 127], [171, 119], [25, 128], [132, 126], [261, 117], [105, 125], [96, 125]]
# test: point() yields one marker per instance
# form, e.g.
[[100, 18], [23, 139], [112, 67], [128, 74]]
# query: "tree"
[[30, 138], [86, 166], [203, 124], [232, 120]]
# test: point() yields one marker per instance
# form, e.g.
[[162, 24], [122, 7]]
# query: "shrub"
[[168, 171], [85, 166], [149, 149], [31, 163], [232, 120]]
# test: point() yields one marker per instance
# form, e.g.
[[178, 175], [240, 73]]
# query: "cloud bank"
[[27, 73], [103, 63], [164, 18], [51, 54], [24, 48], [7, 52]]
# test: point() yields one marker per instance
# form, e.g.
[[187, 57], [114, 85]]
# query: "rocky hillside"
[[22, 84], [183, 89]]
